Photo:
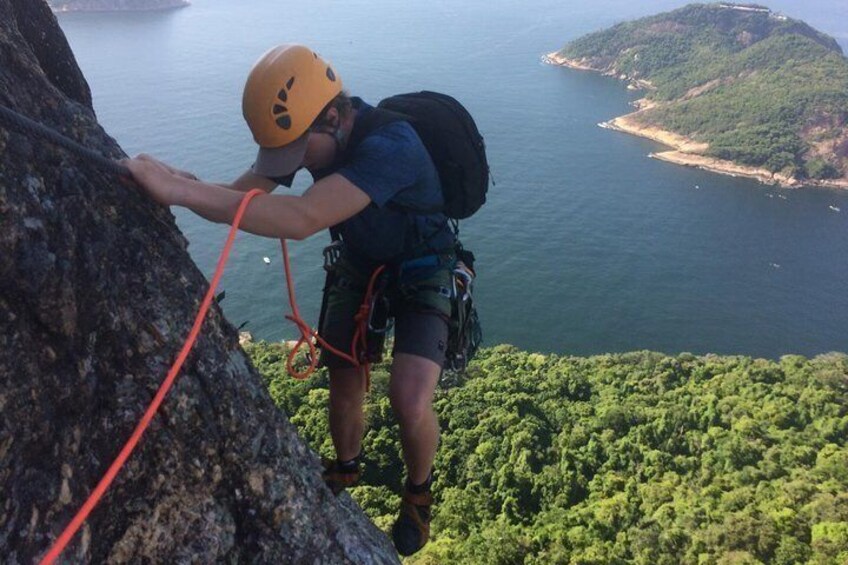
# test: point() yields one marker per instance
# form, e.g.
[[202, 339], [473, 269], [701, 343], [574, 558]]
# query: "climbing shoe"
[[412, 529], [339, 475]]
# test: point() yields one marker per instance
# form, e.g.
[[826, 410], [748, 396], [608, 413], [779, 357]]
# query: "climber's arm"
[[326, 203], [248, 180]]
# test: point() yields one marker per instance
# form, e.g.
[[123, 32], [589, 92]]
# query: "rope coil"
[[310, 337]]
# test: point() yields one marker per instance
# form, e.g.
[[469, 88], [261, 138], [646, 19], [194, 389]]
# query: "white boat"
[[834, 208], [267, 260]]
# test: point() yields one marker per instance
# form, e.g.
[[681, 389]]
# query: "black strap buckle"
[[332, 254]]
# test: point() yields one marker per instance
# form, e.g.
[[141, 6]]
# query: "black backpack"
[[451, 137]]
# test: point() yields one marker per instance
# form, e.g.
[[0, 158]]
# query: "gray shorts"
[[420, 308]]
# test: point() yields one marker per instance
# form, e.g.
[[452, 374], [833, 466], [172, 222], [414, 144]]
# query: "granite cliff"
[[97, 293]]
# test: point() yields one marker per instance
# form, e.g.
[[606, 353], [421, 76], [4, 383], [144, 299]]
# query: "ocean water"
[[585, 246]]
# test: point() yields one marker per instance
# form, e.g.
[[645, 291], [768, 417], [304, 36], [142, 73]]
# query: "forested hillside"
[[761, 89], [635, 458]]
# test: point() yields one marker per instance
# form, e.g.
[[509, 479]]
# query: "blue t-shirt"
[[392, 166]]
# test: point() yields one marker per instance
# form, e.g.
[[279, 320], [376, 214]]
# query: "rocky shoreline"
[[65, 6], [686, 152]]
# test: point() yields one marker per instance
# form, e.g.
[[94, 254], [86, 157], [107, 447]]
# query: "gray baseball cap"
[[274, 162]]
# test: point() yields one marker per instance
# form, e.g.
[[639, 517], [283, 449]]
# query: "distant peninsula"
[[733, 88], [114, 5]]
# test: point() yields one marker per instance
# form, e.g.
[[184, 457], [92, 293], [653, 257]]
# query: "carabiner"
[[385, 320], [461, 272]]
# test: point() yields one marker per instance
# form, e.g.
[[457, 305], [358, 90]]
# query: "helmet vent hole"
[[331, 75], [290, 83], [284, 122], [280, 109], [283, 95]]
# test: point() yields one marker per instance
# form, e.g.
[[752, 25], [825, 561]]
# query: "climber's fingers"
[[173, 170], [154, 177]]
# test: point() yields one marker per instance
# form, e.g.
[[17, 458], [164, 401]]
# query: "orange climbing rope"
[[307, 335], [128, 448], [358, 347]]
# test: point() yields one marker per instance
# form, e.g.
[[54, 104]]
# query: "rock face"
[[97, 293]]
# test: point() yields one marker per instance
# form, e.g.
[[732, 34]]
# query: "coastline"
[[685, 151], [556, 59], [688, 153], [160, 6]]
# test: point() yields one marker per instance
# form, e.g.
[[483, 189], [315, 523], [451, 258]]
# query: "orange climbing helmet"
[[286, 90]]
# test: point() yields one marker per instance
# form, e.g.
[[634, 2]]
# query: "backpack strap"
[[377, 118], [365, 126]]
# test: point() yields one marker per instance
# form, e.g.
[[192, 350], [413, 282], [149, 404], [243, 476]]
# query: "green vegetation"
[[761, 89], [635, 458]]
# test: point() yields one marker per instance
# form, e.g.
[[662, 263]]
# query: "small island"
[[114, 5], [733, 88]]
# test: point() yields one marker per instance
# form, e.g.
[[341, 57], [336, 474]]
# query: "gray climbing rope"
[[27, 125]]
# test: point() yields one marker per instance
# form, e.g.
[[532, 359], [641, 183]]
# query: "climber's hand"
[[159, 180], [176, 171], [173, 170]]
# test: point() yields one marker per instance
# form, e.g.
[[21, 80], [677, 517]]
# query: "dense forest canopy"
[[634, 458], [760, 88]]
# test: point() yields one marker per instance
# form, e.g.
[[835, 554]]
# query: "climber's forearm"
[[328, 202], [271, 215]]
